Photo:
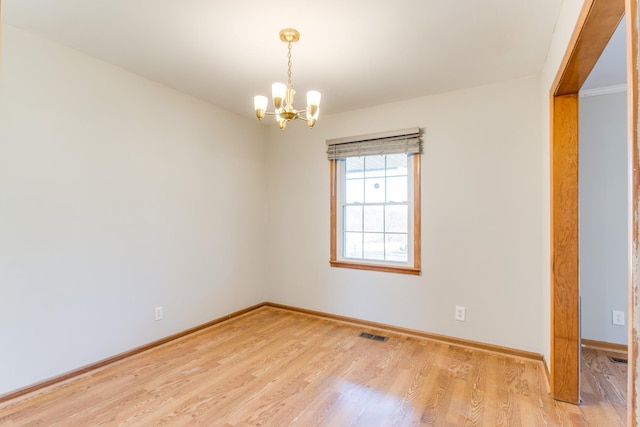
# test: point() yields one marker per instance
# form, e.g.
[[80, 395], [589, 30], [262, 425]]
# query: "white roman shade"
[[393, 142]]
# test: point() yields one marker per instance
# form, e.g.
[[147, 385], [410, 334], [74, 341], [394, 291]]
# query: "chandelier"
[[283, 94]]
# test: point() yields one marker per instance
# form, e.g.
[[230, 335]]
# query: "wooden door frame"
[[596, 23], [633, 180]]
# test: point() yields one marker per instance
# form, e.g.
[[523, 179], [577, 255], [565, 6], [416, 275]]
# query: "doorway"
[[596, 24], [603, 231]]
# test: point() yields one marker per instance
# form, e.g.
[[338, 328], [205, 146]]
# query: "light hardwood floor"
[[273, 367], [603, 386]]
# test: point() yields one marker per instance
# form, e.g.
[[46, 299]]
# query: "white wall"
[[603, 215], [116, 195], [481, 218], [110, 195]]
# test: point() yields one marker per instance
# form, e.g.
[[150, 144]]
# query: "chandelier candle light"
[[283, 94]]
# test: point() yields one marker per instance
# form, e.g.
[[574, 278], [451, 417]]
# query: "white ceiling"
[[358, 53]]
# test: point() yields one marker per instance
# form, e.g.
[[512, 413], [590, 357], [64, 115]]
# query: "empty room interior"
[[380, 249]]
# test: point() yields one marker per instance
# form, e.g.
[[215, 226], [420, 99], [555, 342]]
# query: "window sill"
[[376, 267]]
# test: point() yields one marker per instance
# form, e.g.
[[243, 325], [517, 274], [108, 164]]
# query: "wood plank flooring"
[[273, 367], [603, 386]]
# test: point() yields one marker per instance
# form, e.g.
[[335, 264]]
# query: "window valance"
[[400, 141]]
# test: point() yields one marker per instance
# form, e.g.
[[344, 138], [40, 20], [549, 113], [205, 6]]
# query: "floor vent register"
[[373, 337]]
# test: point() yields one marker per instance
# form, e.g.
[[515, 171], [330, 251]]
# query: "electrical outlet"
[[158, 313], [460, 313], [618, 317]]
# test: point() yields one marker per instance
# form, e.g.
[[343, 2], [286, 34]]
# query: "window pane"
[[374, 197], [374, 190], [396, 219], [396, 247], [354, 167], [373, 246], [353, 218], [354, 191], [374, 166], [353, 245], [374, 218], [396, 164], [397, 190]]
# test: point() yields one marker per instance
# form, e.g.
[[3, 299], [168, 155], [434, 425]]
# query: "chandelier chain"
[[289, 67]]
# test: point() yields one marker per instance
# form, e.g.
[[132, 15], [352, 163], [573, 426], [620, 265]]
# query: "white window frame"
[[340, 197], [412, 266]]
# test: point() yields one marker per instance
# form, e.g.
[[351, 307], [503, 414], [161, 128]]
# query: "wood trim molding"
[[333, 165], [349, 320], [104, 362], [597, 22], [417, 208], [375, 267], [634, 211], [413, 333], [565, 346], [546, 370], [387, 268], [606, 346]]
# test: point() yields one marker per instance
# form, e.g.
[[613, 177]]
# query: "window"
[[375, 202]]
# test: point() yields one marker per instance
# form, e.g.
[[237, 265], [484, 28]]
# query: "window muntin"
[[374, 208], [375, 201], [388, 239]]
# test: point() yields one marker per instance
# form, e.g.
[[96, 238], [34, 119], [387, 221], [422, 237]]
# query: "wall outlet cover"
[[158, 313], [618, 317]]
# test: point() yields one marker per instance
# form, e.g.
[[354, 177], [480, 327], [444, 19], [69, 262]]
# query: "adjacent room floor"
[[275, 367]]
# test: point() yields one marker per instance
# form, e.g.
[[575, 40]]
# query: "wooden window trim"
[[333, 259]]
